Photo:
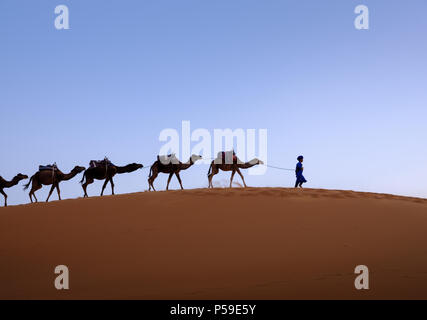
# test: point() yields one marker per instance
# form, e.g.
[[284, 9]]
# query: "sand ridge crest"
[[254, 243]]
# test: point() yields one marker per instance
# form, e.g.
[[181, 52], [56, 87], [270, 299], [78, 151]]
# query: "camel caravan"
[[51, 175]]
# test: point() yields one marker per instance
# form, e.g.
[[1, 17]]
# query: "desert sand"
[[254, 243]]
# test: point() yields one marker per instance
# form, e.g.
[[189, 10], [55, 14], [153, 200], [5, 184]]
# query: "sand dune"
[[255, 243]]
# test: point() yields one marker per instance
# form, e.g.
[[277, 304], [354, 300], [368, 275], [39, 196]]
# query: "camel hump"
[[51, 167], [168, 159]]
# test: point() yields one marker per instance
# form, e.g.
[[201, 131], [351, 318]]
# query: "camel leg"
[[34, 187], [241, 175], [210, 176], [5, 197], [84, 186], [169, 180], [210, 185], [112, 186], [59, 191], [231, 179], [179, 179], [50, 192], [151, 180], [104, 185], [32, 194]]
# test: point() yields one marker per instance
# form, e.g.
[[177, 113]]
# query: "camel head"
[[21, 176], [78, 169], [256, 161], [195, 157]]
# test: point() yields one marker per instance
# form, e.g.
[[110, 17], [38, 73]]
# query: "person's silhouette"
[[298, 172]]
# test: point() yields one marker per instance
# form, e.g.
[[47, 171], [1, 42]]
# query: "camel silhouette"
[[50, 177], [8, 184], [234, 167], [106, 172], [172, 168]]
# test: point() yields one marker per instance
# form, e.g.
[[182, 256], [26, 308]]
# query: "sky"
[[353, 102]]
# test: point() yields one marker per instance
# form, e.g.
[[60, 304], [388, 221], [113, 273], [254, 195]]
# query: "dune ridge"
[[252, 243]]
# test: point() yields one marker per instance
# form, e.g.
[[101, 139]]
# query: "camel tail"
[[28, 184], [151, 170], [210, 169], [83, 178]]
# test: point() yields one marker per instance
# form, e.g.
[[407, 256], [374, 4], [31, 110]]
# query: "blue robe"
[[298, 173]]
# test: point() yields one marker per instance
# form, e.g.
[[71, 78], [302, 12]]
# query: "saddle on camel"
[[100, 163], [168, 159], [226, 157], [50, 167]]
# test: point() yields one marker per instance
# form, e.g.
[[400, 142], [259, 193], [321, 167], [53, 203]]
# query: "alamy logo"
[[62, 20], [362, 20], [62, 280], [243, 142], [362, 280]]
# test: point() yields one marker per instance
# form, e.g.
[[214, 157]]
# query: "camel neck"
[[67, 176], [11, 183], [187, 165], [249, 164], [128, 168], [123, 169]]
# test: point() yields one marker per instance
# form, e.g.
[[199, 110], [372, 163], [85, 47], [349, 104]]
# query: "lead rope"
[[279, 168]]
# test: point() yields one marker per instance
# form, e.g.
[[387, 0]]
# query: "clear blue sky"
[[354, 103]]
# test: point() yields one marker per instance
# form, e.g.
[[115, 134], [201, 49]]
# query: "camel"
[[106, 172], [234, 167], [9, 184], [50, 177], [170, 168]]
